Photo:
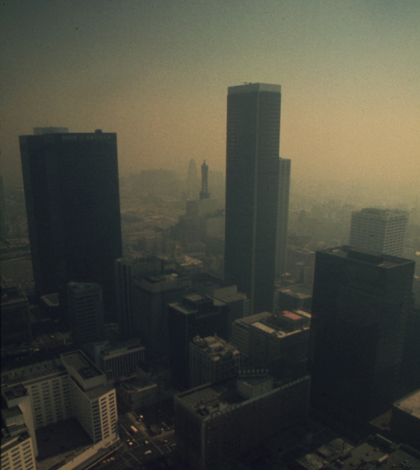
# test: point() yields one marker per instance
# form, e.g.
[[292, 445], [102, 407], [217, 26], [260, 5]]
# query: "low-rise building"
[[298, 296], [277, 341], [212, 360], [214, 423], [146, 389], [196, 314], [117, 359]]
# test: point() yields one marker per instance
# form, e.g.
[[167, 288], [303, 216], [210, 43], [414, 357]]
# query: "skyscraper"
[[252, 185], [283, 215], [380, 230], [359, 314], [73, 209]]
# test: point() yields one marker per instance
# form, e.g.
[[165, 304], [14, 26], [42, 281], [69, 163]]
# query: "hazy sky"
[[157, 71]]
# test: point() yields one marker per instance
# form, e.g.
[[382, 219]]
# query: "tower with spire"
[[204, 193]]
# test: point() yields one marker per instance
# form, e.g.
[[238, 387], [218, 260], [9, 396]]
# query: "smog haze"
[[156, 73]]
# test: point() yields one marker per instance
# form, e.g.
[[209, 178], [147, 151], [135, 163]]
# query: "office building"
[[86, 312], [216, 423], [149, 387], [73, 210], [212, 360], [282, 216], [151, 296], [359, 315], [117, 359], [380, 230], [278, 341], [3, 224], [240, 333], [252, 191], [194, 315], [15, 321], [410, 366], [126, 270]]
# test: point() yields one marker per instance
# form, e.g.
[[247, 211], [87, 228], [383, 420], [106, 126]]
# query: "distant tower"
[[73, 209], [380, 230], [282, 216], [252, 185], [86, 312], [204, 194], [192, 179]]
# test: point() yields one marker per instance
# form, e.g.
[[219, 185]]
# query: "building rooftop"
[[82, 287], [215, 347], [366, 256], [381, 213], [410, 404], [81, 364], [375, 452], [253, 318], [51, 300], [15, 391], [291, 315], [9, 441], [254, 87], [283, 323], [208, 400], [156, 283], [299, 291]]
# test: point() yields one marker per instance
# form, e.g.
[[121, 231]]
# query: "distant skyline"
[[157, 72]]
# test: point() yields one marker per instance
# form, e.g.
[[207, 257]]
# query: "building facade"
[[15, 322], [212, 360], [73, 209], [194, 315], [252, 191], [282, 216], [120, 360], [86, 312], [126, 270], [380, 230], [359, 315], [215, 423]]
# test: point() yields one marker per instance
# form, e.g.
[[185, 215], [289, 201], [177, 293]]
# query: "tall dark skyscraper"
[[359, 316], [73, 209], [282, 216], [252, 184]]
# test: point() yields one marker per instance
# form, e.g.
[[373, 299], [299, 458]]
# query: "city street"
[[139, 450]]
